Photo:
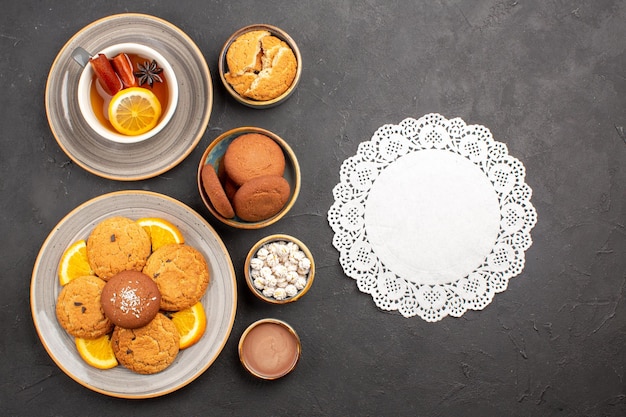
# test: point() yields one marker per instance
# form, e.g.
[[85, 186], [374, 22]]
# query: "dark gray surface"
[[547, 77]]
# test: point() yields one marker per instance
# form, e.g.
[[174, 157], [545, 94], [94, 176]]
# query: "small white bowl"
[[87, 77]]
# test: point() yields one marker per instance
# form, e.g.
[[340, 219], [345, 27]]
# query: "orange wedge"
[[74, 263], [191, 324], [161, 232], [97, 352], [134, 111]]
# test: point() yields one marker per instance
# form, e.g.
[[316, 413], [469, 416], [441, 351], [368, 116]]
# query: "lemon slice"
[[74, 263], [134, 111], [97, 352], [190, 323], [161, 232]]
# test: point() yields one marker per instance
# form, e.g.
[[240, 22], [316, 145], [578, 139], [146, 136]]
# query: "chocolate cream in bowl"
[[269, 349]]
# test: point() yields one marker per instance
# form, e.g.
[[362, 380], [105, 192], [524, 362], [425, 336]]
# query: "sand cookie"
[[261, 197], [130, 299], [260, 65], [279, 71], [244, 54], [216, 192], [78, 308], [148, 349], [181, 273], [252, 155], [230, 188], [117, 244], [241, 83]]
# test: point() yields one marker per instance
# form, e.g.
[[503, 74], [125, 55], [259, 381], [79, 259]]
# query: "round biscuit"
[[117, 244], [215, 191], [253, 155], [148, 349], [181, 273], [78, 308], [261, 198]]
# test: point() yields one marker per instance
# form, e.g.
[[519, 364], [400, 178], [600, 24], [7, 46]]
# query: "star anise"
[[149, 73]]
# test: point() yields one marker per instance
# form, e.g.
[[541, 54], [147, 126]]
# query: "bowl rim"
[[222, 66], [290, 159], [282, 323], [277, 238]]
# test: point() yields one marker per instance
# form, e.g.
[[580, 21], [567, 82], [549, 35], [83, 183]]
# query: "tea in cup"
[[118, 76]]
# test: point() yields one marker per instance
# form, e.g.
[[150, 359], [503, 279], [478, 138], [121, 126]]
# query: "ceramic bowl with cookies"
[[248, 178], [260, 66]]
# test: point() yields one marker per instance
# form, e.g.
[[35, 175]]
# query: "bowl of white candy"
[[279, 269]]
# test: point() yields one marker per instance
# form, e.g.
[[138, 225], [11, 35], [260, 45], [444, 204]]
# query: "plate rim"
[[49, 239], [204, 122]]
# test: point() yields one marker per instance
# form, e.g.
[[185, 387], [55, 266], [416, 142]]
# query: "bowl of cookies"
[[260, 65], [279, 269], [248, 178]]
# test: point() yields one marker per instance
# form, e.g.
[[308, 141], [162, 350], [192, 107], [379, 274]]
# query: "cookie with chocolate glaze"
[[130, 299]]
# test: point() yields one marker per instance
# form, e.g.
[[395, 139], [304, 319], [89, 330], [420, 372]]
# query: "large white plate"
[[220, 300], [165, 150]]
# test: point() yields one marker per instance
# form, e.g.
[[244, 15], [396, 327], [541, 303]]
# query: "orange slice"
[[134, 111], [97, 352], [74, 263], [191, 324], [161, 232]]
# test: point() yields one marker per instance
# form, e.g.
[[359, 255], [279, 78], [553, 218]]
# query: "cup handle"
[[81, 56]]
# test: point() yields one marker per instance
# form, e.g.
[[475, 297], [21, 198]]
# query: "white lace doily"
[[432, 217]]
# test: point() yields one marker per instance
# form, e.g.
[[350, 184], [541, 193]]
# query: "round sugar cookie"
[[117, 244], [78, 308], [253, 155], [148, 349], [181, 273]]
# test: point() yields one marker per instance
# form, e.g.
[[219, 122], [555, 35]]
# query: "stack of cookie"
[[249, 182], [130, 293]]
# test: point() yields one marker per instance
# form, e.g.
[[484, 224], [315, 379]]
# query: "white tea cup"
[[88, 77]]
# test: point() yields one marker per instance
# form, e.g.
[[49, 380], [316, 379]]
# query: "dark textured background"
[[547, 77]]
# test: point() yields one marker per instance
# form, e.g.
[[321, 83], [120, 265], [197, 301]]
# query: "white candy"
[[271, 282], [272, 260], [300, 283], [262, 253], [271, 248], [297, 256], [266, 272], [282, 252], [280, 293], [256, 263], [304, 264], [291, 290], [279, 269], [292, 276]]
